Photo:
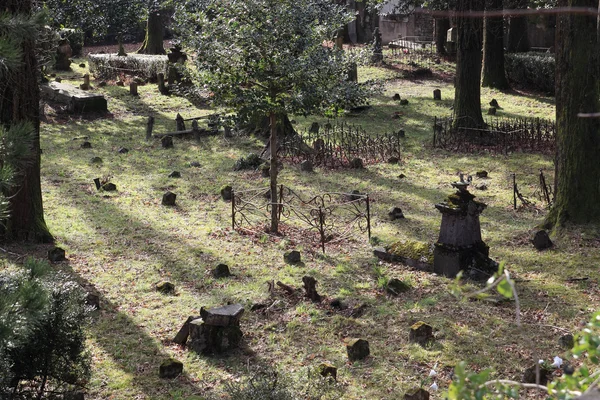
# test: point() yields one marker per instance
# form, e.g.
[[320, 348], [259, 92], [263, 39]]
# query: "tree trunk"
[[20, 103], [578, 142], [273, 175], [441, 33], [155, 30], [493, 49], [467, 102], [518, 41]]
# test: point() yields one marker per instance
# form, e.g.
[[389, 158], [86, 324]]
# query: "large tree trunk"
[[493, 49], [578, 139], [441, 34], [155, 30], [518, 41], [20, 103], [467, 102]]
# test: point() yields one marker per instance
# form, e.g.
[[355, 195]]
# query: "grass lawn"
[[121, 243]]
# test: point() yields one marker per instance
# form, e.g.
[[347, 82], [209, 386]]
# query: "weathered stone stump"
[[166, 142], [175, 174], [168, 199], [567, 341], [165, 287], [421, 333], [541, 241], [417, 394], [217, 330], [221, 271], [404, 102], [170, 369], [109, 187], [180, 123], [328, 370], [123, 150], [306, 166], [292, 257], [396, 286], [357, 163], [227, 193], [92, 300], [437, 94], [491, 111], [459, 246], [396, 97], [56, 254], [182, 336], [358, 349], [310, 286], [314, 127], [395, 213]]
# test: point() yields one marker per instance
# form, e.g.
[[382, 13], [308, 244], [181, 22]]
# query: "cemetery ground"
[[119, 244]]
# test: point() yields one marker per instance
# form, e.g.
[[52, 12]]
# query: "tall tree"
[[20, 104], [267, 57], [467, 102], [493, 73], [518, 40], [578, 139], [155, 30], [441, 35]]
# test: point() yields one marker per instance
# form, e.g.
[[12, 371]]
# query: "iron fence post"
[[322, 228], [368, 217], [232, 209]]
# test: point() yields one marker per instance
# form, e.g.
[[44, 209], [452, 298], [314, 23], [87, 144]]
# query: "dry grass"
[[119, 244]]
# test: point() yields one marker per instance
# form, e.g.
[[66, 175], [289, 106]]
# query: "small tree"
[[155, 30], [267, 58]]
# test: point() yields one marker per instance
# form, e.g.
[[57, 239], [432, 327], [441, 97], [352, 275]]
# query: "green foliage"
[[99, 18], [531, 70], [42, 343], [267, 56], [111, 66]]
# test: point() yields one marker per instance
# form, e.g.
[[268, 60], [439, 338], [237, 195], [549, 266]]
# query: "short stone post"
[[149, 126], [133, 89], [180, 123], [437, 94], [86, 82], [161, 84]]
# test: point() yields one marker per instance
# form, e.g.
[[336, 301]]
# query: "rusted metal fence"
[[334, 216], [500, 135], [335, 146]]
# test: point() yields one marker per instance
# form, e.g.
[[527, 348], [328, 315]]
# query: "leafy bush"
[[111, 66], [531, 70], [42, 343]]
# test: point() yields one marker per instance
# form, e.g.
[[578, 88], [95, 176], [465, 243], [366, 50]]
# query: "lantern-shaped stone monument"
[[460, 247]]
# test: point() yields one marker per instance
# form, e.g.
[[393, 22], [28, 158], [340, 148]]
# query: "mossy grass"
[[122, 243]]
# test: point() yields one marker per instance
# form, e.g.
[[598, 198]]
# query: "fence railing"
[[500, 135], [337, 145], [334, 216]]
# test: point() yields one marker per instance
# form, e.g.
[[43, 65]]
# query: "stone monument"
[[459, 246]]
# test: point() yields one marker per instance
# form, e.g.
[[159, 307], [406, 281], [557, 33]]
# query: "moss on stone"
[[412, 249]]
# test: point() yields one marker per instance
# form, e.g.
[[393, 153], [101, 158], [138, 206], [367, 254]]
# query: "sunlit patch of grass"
[[120, 244]]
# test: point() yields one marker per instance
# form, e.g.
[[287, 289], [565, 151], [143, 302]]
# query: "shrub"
[[111, 66], [531, 70], [42, 342]]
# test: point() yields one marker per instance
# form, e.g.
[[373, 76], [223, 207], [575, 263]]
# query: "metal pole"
[[515, 191], [232, 209], [280, 205], [368, 217], [322, 229]]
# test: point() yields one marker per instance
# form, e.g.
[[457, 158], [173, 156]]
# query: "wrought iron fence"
[[337, 145], [333, 216], [500, 135], [413, 51]]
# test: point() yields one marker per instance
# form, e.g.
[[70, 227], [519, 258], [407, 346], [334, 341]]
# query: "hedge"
[[112, 66], [533, 71]]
